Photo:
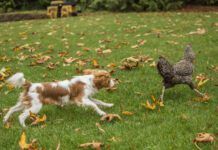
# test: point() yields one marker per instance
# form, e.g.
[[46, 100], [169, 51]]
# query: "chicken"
[[179, 73]]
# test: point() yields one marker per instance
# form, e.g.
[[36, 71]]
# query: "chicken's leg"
[[162, 94], [198, 92]]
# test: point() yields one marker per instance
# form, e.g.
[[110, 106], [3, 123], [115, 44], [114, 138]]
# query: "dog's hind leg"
[[34, 109], [89, 103], [36, 105], [98, 102], [18, 107]]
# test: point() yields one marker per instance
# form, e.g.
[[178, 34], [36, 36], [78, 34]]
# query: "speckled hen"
[[179, 73]]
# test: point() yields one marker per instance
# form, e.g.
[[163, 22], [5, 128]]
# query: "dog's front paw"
[[102, 113], [109, 105], [5, 119]]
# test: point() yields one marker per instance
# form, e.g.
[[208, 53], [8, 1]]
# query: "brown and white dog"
[[77, 90]]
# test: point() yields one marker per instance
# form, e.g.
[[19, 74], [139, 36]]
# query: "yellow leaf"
[[161, 104], [149, 106], [22, 142], [202, 82], [127, 113], [39, 120], [95, 63]]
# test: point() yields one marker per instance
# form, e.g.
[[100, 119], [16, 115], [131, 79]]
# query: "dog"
[[77, 90]]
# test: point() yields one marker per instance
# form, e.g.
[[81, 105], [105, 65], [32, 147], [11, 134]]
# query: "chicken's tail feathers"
[[17, 80], [164, 68]]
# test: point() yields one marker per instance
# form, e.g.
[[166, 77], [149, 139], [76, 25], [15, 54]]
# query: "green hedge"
[[111, 5]]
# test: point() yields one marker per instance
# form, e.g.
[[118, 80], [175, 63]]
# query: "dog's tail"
[[17, 80]]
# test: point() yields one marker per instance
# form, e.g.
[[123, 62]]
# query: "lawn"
[[172, 127]]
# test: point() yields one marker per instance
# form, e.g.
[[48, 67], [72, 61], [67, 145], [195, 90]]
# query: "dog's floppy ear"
[[101, 80]]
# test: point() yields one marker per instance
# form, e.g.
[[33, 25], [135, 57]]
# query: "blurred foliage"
[[111, 5]]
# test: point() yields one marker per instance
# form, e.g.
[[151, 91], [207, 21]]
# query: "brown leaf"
[[129, 63], [70, 60], [51, 65], [93, 145], [79, 53], [63, 54], [43, 59], [204, 137], [110, 117]]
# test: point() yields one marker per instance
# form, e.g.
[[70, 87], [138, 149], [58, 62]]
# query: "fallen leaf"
[[79, 53], [204, 137], [95, 63], [149, 106], [100, 128], [127, 113], [201, 79], [110, 117], [107, 51], [52, 65], [111, 65], [153, 64], [25, 146], [80, 44], [129, 63], [36, 119], [93, 145], [7, 125], [43, 59], [22, 143], [205, 98], [63, 54], [70, 60], [4, 73], [199, 31]]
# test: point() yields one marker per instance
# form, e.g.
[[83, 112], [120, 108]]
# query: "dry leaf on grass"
[[110, 117], [52, 65], [152, 106], [7, 125], [36, 119], [4, 73], [205, 98], [95, 63], [107, 51], [201, 79], [43, 59], [25, 146], [111, 65], [199, 31], [149, 106], [129, 63], [70, 60], [93, 145], [127, 113], [100, 128], [204, 137]]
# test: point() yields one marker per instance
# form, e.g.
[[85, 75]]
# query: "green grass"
[[156, 130]]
